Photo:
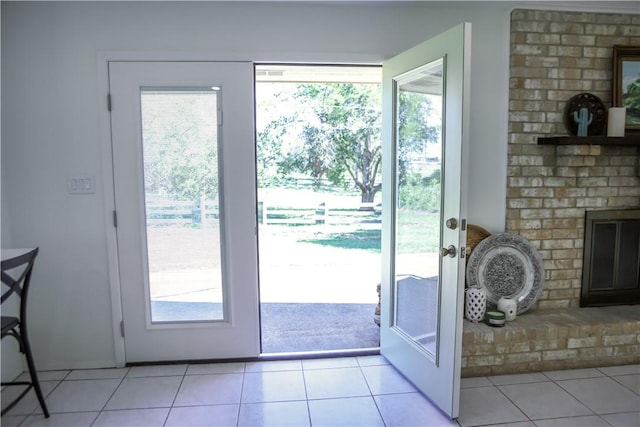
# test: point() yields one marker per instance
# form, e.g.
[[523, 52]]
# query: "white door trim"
[[108, 193]]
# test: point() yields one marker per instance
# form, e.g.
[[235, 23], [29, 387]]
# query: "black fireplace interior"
[[611, 268]]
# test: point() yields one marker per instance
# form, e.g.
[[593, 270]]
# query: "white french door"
[[184, 182], [423, 242]]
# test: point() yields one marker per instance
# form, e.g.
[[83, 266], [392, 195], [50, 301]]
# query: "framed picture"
[[626, 83]]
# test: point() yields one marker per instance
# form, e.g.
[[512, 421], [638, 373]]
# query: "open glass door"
[[425, 111], [185, 200]]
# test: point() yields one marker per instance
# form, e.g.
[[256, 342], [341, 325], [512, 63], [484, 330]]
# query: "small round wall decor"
[[586, 115]]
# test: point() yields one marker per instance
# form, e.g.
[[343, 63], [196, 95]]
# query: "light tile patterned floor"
[[351, 391]]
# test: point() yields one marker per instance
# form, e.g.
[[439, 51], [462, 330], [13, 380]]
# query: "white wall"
[[10, 360], [51, 128]]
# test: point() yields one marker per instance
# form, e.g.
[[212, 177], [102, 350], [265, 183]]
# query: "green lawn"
[[368, 240], [418, 232]]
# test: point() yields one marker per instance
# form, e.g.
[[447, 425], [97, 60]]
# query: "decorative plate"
[[507, 265]]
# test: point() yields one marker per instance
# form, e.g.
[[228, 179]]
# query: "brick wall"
[[555, 56]]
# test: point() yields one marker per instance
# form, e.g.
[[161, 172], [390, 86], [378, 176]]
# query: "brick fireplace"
[[554, 56]]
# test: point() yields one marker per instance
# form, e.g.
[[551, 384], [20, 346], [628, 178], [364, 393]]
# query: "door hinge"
[[108, 102], [122, 328], [115, 219]]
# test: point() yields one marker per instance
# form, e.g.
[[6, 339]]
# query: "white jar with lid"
[[509, 307]]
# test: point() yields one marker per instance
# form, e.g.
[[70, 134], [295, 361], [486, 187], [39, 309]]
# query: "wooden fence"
[[163, 213]]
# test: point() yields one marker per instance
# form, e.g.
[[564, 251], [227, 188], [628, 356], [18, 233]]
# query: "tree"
[[413, 129], [337, 131], [270, 141], [339, 137]]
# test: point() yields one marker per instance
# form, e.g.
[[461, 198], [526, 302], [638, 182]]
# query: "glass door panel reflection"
[[419, 154], [181, 193]]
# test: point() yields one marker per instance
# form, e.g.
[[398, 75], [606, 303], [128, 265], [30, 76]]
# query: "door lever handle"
[[450, 251]]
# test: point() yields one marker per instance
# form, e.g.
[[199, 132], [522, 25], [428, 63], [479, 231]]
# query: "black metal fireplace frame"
[[611, 268]]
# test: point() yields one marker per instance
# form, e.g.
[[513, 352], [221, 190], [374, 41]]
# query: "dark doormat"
[[295, 327], [292, 327]]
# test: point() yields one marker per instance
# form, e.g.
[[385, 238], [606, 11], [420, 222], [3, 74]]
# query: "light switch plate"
[[82, 185]]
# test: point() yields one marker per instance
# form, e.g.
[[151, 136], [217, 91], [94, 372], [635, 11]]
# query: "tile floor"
[[352, 391]]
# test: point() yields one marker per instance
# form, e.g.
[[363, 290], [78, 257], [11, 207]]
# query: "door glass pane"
[[419, 155], [181, 184]]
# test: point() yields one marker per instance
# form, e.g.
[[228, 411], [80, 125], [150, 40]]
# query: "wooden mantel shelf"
[[590, 140]]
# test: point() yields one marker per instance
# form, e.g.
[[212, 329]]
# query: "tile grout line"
[[306, 393], [45, 399], [613, 377], [371, 393], [575, 397], [512, 402], [605, 375], [176, 396], [111, 396], [244, 371], [60, 382]]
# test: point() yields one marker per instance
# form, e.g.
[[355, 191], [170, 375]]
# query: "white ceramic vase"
[[476, 303], [509, 307]]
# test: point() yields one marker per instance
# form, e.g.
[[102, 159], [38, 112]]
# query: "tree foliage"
[[180, 145], [329, 131], [413, 129], [420, 193], [340, 141], [335, 133], [631, 100]]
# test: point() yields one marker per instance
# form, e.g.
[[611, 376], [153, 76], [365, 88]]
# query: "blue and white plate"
[[507, 265]]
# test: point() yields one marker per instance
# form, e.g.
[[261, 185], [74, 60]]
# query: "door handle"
[[450, 251]]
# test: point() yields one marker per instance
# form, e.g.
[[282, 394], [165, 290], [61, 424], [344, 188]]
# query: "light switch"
[[82, 185]]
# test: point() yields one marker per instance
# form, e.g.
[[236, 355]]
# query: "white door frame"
[[104, 123]]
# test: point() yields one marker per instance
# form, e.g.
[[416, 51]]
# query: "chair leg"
[[32, 372]]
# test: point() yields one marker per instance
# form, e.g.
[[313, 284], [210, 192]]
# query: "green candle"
[[495, 318]]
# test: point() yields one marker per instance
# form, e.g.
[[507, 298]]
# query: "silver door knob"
[[450, 251]]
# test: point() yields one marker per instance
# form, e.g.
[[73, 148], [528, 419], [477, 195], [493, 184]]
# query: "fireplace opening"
[[611, 265]]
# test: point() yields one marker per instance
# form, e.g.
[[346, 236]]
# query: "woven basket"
[[475, 234]]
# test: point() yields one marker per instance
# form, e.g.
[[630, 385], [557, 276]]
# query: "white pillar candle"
[[616, 122]]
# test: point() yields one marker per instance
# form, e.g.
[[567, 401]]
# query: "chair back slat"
[[19, 285], [14, 287]]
